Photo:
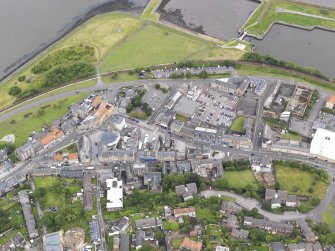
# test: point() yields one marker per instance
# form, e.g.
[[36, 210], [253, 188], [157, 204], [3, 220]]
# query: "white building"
[[114, 194], [323, 144]]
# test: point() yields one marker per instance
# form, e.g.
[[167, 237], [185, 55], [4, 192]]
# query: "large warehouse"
[[323, 144]]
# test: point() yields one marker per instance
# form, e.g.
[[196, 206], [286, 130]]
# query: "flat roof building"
[[323, 144], [114, 194]]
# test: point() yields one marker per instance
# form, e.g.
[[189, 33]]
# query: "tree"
[[157, 86], [14, 91], [266, 206], [277, 185], [203, 74], [114, 75], [40, 192], [59, 219], [22, 78], [129, 108], [40, 112], [315, 201], [188, 75]]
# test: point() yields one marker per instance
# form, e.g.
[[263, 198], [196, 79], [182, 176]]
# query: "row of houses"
[[86, 116], [269, 226], [27, 213]]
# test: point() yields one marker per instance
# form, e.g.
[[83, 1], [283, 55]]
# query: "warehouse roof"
[[323, 143]]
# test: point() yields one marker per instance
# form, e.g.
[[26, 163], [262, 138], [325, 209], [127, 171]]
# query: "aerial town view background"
[[164, 125]]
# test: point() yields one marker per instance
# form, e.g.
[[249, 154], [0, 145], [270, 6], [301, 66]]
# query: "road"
[[100, 86]]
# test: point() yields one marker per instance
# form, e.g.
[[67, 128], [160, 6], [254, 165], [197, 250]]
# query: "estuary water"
[[27, 26]]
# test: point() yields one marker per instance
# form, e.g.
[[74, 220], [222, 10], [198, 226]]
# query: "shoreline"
[[105, 8]]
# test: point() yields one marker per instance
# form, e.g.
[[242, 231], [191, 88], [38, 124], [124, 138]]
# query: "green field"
[[328, 216], [238, 124], [240, 179], [296, 181], [24, 123], [272, 11], [151, 46]]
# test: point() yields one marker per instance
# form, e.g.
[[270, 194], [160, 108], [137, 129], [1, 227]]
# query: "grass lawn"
[[204, 213], [268, 13], [70, 149], [291, 136], [328, 216], [122, 77], [261, 248], [24, 123], [239, 179], [150, 11], [238, 124], [151, 46], [296, 181], [181, 118]]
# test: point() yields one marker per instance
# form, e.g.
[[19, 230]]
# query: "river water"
[[27, 26]]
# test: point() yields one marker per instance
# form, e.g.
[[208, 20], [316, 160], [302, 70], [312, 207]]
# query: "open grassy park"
[[24, 123], [152, 45], [298, 181], [289, 12]]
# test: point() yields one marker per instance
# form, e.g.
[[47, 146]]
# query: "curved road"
[[249, 203]]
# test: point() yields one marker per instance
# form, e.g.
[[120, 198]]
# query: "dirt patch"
[[74, 239]]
